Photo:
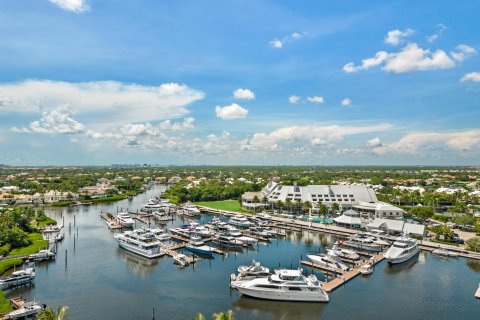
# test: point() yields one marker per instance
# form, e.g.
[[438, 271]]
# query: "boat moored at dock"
[[18, 278], [141, 242], [403, 249]]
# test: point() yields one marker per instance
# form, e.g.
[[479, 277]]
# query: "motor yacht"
[[254, 269], [239, 222], [125, 219], [202, 249], [362, 242], [141, 243], [18, 278], [328, 260], [366, 269], [445, 253], [44, 254], [229, 241], [247, 240], [181, 260], [284, 285], [344, 253], [404, 248], [28, 311]]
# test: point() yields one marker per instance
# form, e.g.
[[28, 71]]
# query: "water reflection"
[[138, 264], [473, 265], [404, 267], [288, 310]]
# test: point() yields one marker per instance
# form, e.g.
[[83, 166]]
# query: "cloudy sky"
[[239, 82]]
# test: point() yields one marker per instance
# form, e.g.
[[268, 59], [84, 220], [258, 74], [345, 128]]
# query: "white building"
[[358, 197], [397, 227], [53, 196]]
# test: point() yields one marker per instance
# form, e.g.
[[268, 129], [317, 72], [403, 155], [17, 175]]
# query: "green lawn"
[[4, 303], [8, 264], [228, 205], [37, 244]]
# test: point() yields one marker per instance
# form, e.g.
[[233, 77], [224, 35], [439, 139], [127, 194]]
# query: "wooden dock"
[[112, 222], [173, 253], [347, 276]]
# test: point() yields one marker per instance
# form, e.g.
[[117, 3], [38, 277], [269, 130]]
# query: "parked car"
[[458, 240]]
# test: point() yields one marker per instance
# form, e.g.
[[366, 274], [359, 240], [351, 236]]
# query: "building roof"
[[348, 220], [381, 206], [397, 226]]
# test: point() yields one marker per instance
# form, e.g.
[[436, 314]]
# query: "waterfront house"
[[174, 179], [397, 227]]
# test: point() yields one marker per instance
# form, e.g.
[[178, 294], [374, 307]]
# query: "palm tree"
[[279, 205], [322, 208], [200, 317], [307, 205], [265, 202], [335, 207], [49, 314], [255, 201], [288, 203], [224, 315]]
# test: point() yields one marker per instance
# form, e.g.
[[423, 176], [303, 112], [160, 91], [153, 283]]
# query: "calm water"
[[100, 281]]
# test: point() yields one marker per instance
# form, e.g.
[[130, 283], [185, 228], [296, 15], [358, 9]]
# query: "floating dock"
[[111, 221]]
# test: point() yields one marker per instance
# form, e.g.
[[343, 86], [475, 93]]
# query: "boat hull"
[[404, 258], [140, 252], [281, 295]]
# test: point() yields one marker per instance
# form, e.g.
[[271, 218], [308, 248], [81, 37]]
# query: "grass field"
[[4, 303], [37, 244], [228, 205]]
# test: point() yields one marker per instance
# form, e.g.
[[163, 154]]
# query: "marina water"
[[98, 280]]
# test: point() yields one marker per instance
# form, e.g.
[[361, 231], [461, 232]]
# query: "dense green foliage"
[[8, 264], [50, 314], [422, 212], [4, 303], [473, 244], [209, 192]]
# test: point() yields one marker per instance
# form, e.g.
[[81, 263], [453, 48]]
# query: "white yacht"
[[247, 240], [344, 253], [284, 285], [362, 242], [181, 260], [445, 253], [141, 243], [191, 209], [202, 249], [44, 254], [255, 269], [403, 249], [234, 232], [229, 241], [125, 219], [27, 311], [18, 278], [366, 269], [239, 221], [328, 260]]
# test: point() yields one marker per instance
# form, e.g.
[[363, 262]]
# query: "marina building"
[[360, 198]]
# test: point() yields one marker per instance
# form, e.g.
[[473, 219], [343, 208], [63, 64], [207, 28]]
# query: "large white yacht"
[[18, 278], [362, 242], [284, 285], [125, 219], [239, 221], [403, 249], [191, 209], [344, 253], [140, 242], [330, 260]]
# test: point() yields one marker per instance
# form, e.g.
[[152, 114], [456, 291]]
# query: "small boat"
[[344, 253], [59, 237], [202, 249], [229, 241], [444, 253], [255, 269], [181, 260], [366, 269], [329, 260], [362, 242], [18, 278], [42, 255], [27, 311]]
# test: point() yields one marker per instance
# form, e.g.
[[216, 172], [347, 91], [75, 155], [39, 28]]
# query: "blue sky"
[[330, 82]]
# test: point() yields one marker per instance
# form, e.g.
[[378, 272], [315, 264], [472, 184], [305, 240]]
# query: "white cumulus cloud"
[[54, 122], [231, 112], [346, 102], [316, 99], [291, 99], [395, 37], [244, 94], [77, 6], [116, 101], [472, 76], [412, 58], [374, 143], [462, 52]]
